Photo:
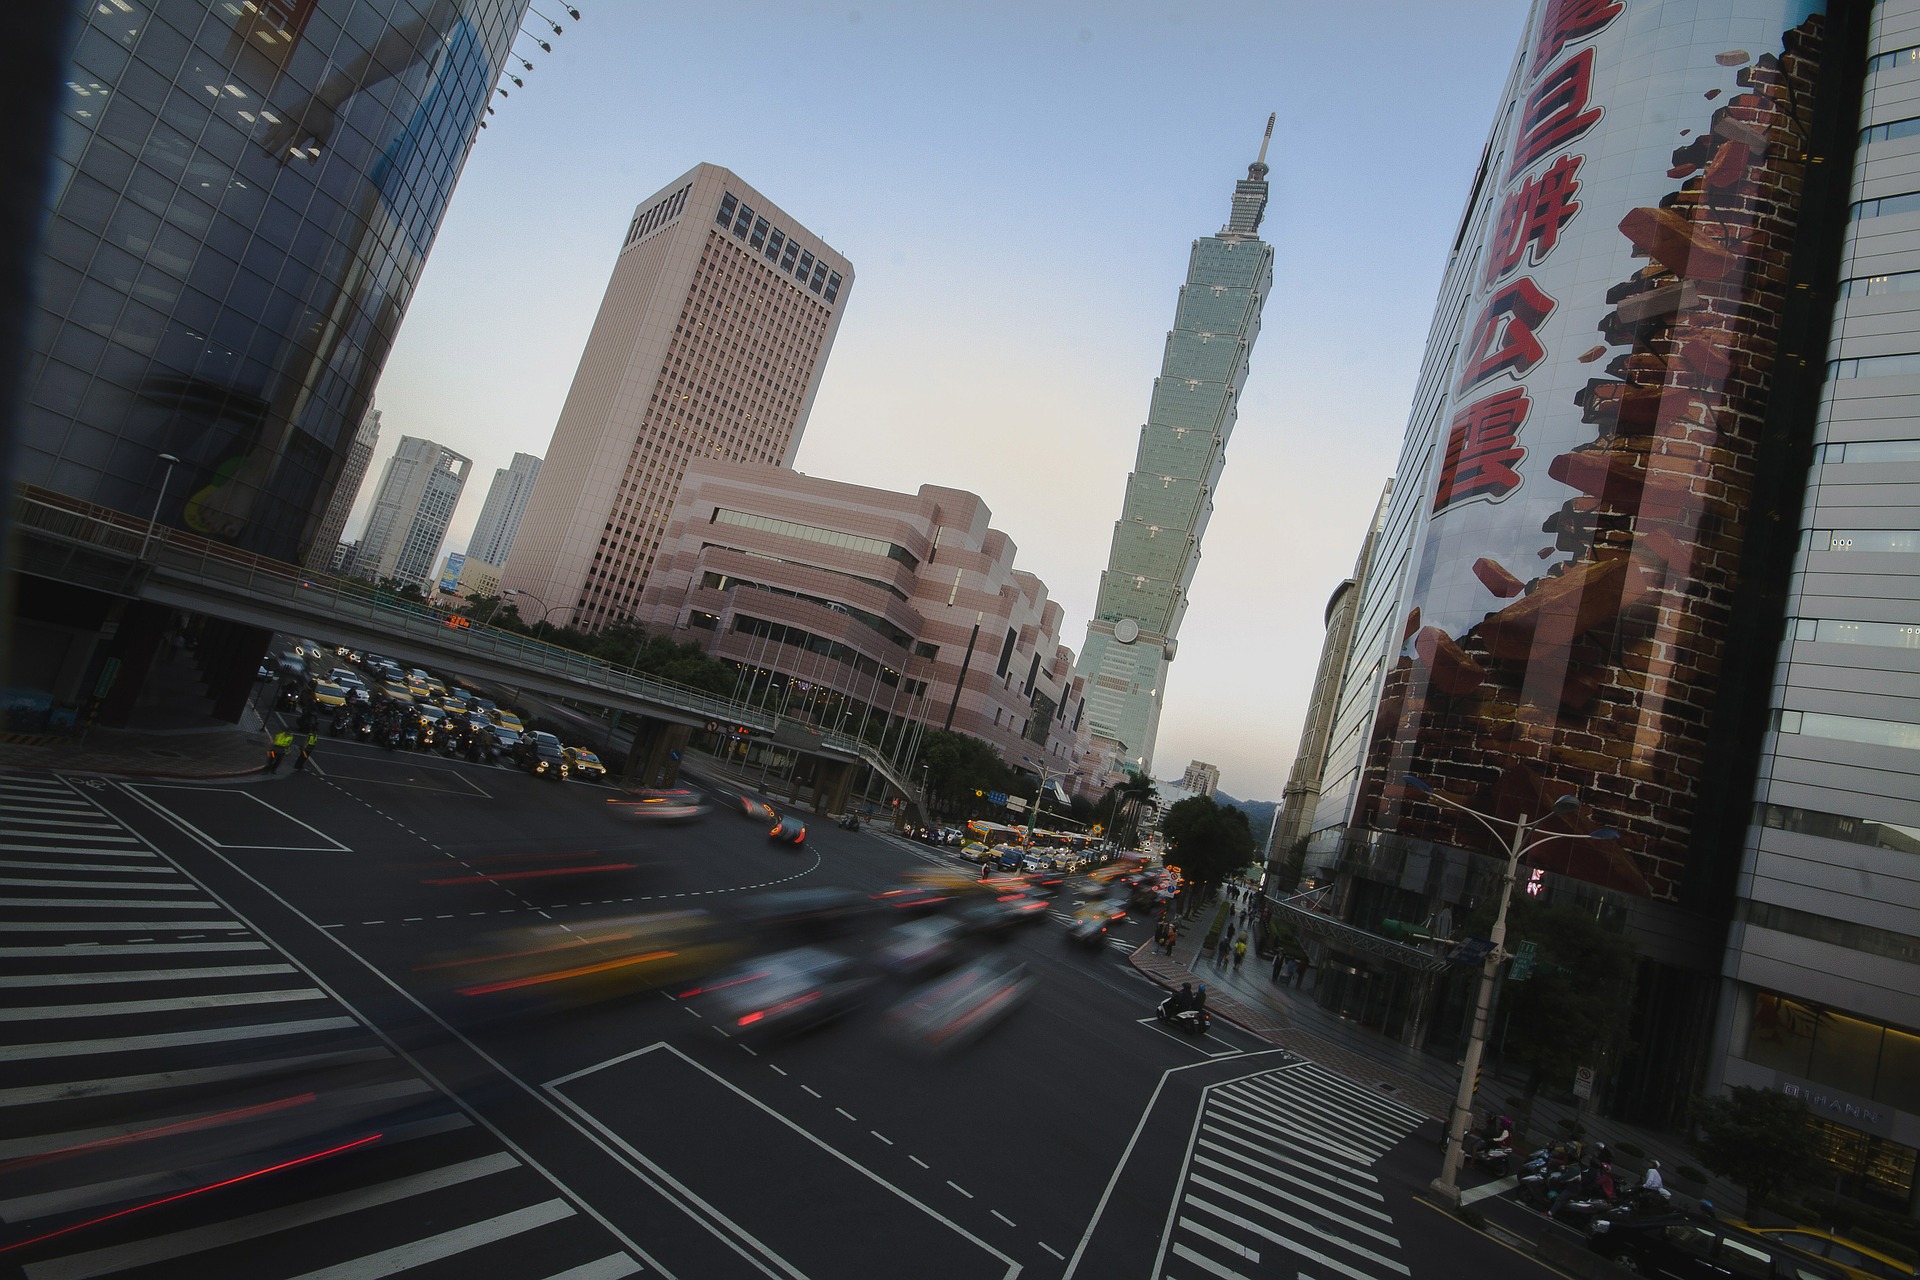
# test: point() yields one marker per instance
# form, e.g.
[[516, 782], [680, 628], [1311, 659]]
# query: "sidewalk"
[[230, 751]]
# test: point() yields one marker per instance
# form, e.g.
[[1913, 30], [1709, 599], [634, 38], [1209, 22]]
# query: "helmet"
[[1653, 1164]]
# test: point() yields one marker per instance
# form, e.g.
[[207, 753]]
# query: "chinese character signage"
[[1592, 460]]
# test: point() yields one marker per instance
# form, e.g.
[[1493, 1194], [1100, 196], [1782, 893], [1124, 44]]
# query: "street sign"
[[713, 726], [1522, 967], [1471, 951], [1583, 1082], [1015, 804], [996, 797], [674, 756]]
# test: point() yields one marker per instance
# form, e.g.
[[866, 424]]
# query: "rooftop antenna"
[[1258, 169]]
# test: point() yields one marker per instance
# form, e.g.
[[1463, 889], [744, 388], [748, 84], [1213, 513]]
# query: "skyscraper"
[[353, 473], [1156, 542], [418, 491], [710, 343], [506, 503]]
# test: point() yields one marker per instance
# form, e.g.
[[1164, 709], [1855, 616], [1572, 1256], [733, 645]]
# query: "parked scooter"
[[1193, 1021]]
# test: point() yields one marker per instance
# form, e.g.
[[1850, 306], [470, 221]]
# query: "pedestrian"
[[282, 743], [1299, 973], [1239, 954], [306, 752], [1173, 936], [1279, 965], [984, 868]]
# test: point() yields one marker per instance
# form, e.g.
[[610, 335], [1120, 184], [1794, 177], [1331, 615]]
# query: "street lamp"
[[1041, 796], [154, 519], [1446, 1187], [544, 611]]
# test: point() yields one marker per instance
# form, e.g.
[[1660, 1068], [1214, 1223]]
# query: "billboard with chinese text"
[[1571, 585]]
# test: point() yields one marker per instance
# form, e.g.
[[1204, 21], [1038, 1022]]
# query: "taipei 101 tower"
[[1183, 448]]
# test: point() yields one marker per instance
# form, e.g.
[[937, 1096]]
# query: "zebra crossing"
[[1276, 1182], [177, 1097]]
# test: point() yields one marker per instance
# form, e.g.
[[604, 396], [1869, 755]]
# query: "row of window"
[[813, 533], [1872, 733], [1885, 635], [1873, 286], [1892, 129], [780, 250], [1838, 826], [873, 622], [1861, 451], [887, 587], [1867, 1059], [1893, 58], [1905, 364], [645, 224], [781, 634], [1887, 206], [1862, 539]]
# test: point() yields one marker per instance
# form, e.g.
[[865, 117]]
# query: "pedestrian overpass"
[[96, 547]]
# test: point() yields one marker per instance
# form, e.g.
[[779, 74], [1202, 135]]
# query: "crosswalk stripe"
[[1274, 1119], [1333, 1264], [1234, 1247], [1205, 1263], [108, 904], [1334, 1115], [1280, 1193], [614, 1266], [66, 1091], [84, 950], [114, 926], [165, 1004], [170, 1039], [1263, 1151], [1329, 1118], [89, 853], [1305, 1143], [41, 882], [126, 868], [445, 1245], [1388, 1110], [1318, 1188], [117, 976], [180, 1244], [75, 821]]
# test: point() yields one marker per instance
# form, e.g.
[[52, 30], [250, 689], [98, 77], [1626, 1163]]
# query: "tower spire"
[[1250, 195]]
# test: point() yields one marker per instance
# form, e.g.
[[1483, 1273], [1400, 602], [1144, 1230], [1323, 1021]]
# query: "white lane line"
[[1318, 1179], [1303, 1230], [118, 1008], [810, 1089], [168, 1040], [615, 1266], [1207, 1264], [1231, 1246], [776, 1068], [1280, 1193], [75, 821], [445, 1245], [962, 1190], [1050, 1249], [848, 1114], [179, 1244], [114, 926], [87, 950], [1358, 1132], [883, 1137], [122, 868], [1493, 1188], [1274, 1118], [141, 975], [1003, 1217], [80, 853], [922, 1163]]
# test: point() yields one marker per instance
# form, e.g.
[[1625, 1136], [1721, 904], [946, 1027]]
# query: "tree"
[[957, 766], [1207, 841], [1757, 1137], [1123, 805], [1574, 1010]]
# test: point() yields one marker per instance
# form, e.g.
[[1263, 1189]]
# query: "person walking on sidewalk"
[[281, 744], [1239, 954], [306, 752], [1279, 965], [1173, 936]]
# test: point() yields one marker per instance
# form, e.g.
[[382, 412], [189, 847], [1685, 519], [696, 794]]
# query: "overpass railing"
[[98, 546]]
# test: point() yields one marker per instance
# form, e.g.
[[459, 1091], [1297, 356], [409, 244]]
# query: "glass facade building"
[[244, 196]]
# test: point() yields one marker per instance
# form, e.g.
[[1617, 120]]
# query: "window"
[[833, 285], [1887, 206], [819, 276], [759, 235], [802, 271], [743, 220], [1856, 452], [1893, 58], [1870, 540], [1835, 826], [1903, 365], [786, 258], [727, 206]]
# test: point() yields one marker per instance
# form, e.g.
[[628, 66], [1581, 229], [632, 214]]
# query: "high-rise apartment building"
[[1169, 498], [418, 491], [242, 199], [353, 474], [1656, 545], [1201, 778], [506, 503], [710, 343]]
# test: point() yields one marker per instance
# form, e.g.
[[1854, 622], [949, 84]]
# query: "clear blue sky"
[[1017, 186]]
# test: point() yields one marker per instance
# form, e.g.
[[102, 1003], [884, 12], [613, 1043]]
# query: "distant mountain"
[[1259, 813]]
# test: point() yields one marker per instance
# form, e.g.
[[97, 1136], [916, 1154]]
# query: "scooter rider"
[[1182, 1000], [1651, 1179]]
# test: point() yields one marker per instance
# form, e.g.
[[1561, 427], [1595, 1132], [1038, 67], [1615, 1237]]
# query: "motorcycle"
[[338, 725], [848, 822], [1496, 1160], [1194, 1022], [1540, 1189], [1585, 1199]]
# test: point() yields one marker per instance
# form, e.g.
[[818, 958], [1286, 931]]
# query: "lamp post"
[[1040, 796], [154, 519], [1446, 1187], [545, 612]]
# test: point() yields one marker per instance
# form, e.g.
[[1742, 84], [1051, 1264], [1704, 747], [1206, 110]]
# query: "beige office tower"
[[710, 343]]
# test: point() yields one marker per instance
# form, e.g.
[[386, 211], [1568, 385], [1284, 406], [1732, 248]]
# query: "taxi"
[[584, 762], [328, 694]]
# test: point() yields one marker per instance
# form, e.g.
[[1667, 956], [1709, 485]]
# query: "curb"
[[1213, 1004], [152, 773]]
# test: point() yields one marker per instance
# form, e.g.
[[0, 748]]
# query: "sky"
[[1018, 187]]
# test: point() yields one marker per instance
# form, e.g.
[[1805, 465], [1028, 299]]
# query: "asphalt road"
[[165, 944]]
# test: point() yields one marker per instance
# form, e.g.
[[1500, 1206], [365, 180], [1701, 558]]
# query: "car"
[[267, 671], [455, 703], [658, 806], [506, 720], [505, 741], [540, 754], [917, 947], [1001, 913], [585, 763], [1007, 857], [974, 851], [430, 716], [1033, 862], [914, 899], [396, 691], [1856, 1260], [751, 807], [824, 912], [786, 992], [328, 694], [1091, 922], [788, 830], [954, 1010], [585, 961], [1685, 1245]]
